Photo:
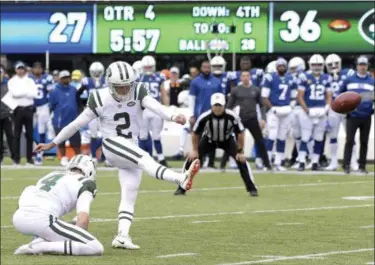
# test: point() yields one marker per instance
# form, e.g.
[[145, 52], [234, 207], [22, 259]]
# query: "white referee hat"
[[218, 98]]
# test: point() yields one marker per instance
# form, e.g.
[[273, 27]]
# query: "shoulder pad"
[[94, 101], [268, 77], [89, 186], [140, 91]]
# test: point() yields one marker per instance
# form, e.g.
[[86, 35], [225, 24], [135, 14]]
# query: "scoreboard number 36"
[[62, 22], [308, 30]]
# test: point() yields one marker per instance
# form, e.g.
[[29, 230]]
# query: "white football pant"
[[311, 127], [131, 160], [151, 123], [334, 122], [277, 128], [42, 118], [55, 236]]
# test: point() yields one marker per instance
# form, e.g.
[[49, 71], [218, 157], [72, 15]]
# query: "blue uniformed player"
[[255, 73], [218, 65], [278, 89], [314, 96], [334, 68], [95, 81], [296, 66], [44, 84], [152, 122]]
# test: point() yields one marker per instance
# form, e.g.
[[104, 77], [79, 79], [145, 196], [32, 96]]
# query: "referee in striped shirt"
[[215, 129]]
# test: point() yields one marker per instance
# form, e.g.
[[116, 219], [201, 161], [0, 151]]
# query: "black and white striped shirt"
[[218, 129]]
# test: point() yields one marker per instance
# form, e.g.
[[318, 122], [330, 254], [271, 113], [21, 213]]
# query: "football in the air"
[[346, 102]]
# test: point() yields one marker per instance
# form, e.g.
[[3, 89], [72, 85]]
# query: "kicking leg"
[[122, 153]]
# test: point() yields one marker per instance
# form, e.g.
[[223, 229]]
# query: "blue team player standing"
[[151, 122], [255, 73], [363, 83], [94, 82], [218, 65], [334, 68], [278, 89], [44, 83], [314, 96]]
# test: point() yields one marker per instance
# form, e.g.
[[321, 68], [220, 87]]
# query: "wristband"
[[240, 150]]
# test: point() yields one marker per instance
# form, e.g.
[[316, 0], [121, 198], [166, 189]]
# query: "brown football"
[[339, 25], [346, 102]]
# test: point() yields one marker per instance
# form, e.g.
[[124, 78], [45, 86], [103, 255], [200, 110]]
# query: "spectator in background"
[[194, 72], [44, 84], [363, 83], [173, 86], [23, 91], [55, 76], [6, 123], [64, 105]]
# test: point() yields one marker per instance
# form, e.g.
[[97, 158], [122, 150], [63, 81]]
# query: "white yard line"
[[208, 221], [367, 226], [359, 198], [314, 209], [370, 263], [278, 257], [281, 224], [230, 188], [176, 255], [5, 179], [104, 220], [307, 256], [203, 170]]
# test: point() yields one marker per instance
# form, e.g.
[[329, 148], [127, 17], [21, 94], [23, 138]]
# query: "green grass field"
[[297, 220]]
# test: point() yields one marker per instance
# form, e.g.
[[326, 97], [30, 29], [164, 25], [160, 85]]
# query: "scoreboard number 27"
[[308, 30], [62, 21]]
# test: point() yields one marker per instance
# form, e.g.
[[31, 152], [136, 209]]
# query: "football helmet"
[[296, 64], [316, 64], [85, 163], [333, 63], [137, 66], [218, 64], [120, 77], [96, 70], [271, 67], [148, 65]]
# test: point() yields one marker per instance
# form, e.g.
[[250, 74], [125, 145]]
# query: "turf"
[[295, 215]]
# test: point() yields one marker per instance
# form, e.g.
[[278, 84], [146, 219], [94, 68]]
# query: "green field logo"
[[366, 26]]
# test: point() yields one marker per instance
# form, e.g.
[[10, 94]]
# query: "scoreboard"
[[181, 27]]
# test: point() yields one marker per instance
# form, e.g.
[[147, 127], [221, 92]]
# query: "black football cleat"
[[346, 170], [301, 167], [253, 193], [363, 171], [315, 167], [180, 191], [163, 163]]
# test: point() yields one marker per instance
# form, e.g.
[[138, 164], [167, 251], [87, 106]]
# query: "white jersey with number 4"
[[118, 118], [56, 193]]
